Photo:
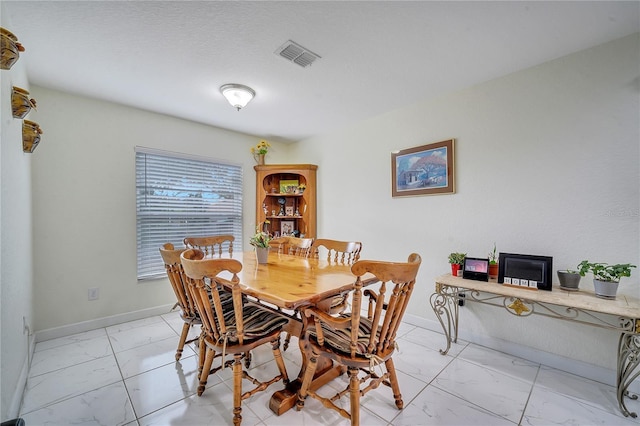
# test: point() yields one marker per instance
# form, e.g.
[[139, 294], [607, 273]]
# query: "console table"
[[577, 306]]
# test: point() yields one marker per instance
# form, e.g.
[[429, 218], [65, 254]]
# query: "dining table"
[[292, 283]]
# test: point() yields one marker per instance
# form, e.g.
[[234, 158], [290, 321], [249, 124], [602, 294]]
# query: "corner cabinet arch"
[[286, 199]]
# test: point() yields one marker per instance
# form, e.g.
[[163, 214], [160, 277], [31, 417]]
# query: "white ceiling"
[[171, 57]]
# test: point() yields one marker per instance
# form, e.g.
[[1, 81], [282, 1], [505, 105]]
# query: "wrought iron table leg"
[[628, 368], [445, 305]]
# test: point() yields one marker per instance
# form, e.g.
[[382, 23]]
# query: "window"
[[177, 196]]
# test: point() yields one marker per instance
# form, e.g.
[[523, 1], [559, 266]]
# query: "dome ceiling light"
[[238, 95]]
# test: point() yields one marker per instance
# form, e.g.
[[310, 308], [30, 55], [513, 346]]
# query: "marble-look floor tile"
[[109, 405], [62, 384], [436, 407], [74, 338], [55, 358], [147, 357], [596, 394], [214, 408], [142, 335], [502, 363], [157, 388], [499, 393], [418, 361], [550, 408], [133, 324], [433, 340]]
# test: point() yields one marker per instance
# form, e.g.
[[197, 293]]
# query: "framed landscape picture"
[[423, 170]]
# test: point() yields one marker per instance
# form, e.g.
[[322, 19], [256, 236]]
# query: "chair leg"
[[237, 389], [202, 350], [204, 375], [309, 371], [395, 386], [275, 347], [183, 338], [354, 392], [287, 340]]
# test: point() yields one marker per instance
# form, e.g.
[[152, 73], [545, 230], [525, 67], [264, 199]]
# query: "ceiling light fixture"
[[238, 95]]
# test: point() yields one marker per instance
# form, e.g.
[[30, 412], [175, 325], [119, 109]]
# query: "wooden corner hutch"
[[284, 206]]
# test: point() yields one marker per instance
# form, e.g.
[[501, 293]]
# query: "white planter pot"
[[605, 289]]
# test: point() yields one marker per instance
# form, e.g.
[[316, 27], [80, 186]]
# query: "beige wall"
[[84, 202], [16, 265], [547, 162]]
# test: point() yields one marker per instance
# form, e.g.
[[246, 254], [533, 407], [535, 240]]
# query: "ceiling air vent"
[[297, 54]]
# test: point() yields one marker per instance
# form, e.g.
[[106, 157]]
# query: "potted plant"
[[456, 260], [261, 242], [493, 263], [569, 279], [606, 278]]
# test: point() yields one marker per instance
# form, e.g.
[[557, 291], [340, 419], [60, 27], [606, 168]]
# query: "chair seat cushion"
[[340, 339], [258, 322]]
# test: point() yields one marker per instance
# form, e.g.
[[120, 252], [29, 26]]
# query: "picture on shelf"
[[286, 227], [285, 184], [288, 210]]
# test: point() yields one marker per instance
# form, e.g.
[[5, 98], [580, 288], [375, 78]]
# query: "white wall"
[[16, 278], [84, 202], [546, 163]]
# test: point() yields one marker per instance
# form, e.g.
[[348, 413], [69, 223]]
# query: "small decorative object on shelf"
[[301, 188], [456, 260], [30, 135], [260, 150], [21, 104], [493, 263], [9, 48]]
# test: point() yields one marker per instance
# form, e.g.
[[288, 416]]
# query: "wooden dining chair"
[[361, 343], [233, 331], [212, 244], [292, 245], [346, 252], [188, 311]]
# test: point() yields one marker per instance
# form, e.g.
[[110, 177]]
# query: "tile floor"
[[127, 375]]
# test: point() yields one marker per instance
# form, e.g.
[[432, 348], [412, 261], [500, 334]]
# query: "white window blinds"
[[179, 196]]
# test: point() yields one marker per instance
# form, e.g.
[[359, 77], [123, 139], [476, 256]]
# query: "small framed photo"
[[423, 170], [286, 227], [288, 210]]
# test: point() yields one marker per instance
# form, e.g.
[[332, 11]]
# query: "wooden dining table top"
[[291, 281]]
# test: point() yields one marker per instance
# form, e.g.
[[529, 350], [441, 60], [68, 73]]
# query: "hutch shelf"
[[288, 209]]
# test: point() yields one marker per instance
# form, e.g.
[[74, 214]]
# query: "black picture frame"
[[529, 270], [475, 268]]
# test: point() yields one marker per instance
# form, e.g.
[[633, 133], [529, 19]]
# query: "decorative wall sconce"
[[238, 95], [9, 49], [21, 104], [30, 135]]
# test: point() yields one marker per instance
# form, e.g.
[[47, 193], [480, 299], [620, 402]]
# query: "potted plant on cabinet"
[[606, 278], [569, 279], [456, 260], [493, 263]]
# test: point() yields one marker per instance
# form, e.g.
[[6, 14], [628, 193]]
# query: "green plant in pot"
[[493, 263], [569, 279], [606, 278], [456, 260]]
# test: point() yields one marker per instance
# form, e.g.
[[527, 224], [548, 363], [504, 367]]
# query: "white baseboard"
[[583, 369], [80, 327], [13, 411]]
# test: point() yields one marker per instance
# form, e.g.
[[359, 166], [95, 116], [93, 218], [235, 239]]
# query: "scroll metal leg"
[[445, 305], [628, 369]]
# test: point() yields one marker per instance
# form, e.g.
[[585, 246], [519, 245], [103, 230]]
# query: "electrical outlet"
[[94, 293], [461, 299]]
